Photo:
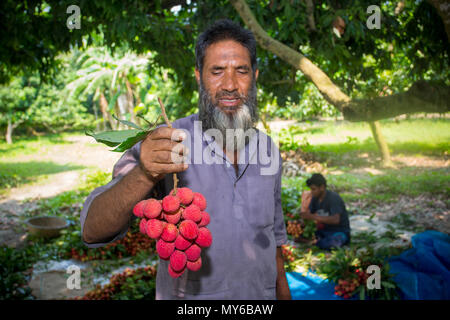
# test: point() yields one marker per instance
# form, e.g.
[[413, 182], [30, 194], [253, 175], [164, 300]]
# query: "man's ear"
[[256, 74], [197, 75]]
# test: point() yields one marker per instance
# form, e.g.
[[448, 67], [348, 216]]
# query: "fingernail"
[[182, 135]]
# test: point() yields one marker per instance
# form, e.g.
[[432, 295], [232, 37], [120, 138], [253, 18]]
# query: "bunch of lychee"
[[347, 287], [178, 224], [294, 228]]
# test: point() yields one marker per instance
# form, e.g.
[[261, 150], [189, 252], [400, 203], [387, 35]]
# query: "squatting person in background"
[[247, 225], [328, 210]]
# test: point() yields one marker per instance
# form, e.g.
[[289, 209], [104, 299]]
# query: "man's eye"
[[216, 72], [243, 71]]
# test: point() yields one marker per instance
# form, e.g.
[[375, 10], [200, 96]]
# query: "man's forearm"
[[334, 219], [283, 292], [111, 211]]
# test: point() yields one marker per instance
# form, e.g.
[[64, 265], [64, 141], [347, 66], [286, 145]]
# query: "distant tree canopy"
[[328, 41]]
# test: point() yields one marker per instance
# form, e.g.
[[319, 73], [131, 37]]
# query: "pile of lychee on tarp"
[[178, 223]]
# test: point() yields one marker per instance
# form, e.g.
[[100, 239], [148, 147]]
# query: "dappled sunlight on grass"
[[31, 144], [384, 186], [337, 143], [13, 174]]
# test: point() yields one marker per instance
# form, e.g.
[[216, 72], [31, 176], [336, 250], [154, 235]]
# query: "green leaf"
[[388, 284], [128, 123], [131, 141], [362, 293], [113, 100], [114, 138]]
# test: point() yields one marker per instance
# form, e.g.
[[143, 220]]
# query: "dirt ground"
[[82, 151], [432, 213]]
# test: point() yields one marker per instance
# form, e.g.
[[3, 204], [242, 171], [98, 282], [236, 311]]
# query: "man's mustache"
[[230, 95]]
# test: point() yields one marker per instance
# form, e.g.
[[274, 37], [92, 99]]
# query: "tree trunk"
[[310, 13], [9, 131], [94, 106], [139, 121], [106, 114], [327, 88], [264, 122], [421, 97], [443, 9], [381, 143], [130, 99], [119, 113]]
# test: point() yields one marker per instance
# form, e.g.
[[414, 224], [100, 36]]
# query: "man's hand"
[[283, 292], [162, 152], [306, 200], [306, 215]]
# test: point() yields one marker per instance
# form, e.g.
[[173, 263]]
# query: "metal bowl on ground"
[[46, 227]]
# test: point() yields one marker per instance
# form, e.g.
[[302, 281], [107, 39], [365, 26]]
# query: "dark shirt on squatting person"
[[247, 222], [331, 204]]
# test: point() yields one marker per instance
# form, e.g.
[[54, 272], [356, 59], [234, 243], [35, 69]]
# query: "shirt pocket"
[[211, 278], [261, 201]]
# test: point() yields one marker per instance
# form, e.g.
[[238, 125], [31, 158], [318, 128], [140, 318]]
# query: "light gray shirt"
[[247, 222]]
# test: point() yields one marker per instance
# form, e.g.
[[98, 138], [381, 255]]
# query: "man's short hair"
[[317, 180], [225, 29]]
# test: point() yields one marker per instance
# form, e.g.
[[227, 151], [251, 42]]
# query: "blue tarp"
[[310, 287], [423, 272]]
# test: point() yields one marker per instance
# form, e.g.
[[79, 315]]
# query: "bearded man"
[[247, 226]]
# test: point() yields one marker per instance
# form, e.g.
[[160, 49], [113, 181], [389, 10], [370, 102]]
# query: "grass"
[[27, 145], [13, 174], [383, 187], [344, 146], [415, 137], [24, 162]]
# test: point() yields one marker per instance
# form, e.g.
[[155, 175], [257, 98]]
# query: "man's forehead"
[[226, 50]]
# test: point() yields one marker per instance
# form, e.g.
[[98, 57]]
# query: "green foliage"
[[291, 198], [345, 264], [287, 140], [137, 284], [14, 264], [410, 45], [309, 229], [39, 106]]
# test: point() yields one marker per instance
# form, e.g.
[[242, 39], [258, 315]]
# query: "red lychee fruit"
[[204, 238], [205, 219], [138, 209], [192, 213], [154, 228], [164, 249], [173, 273], [188, 229], [169, 233], [170, 204], [142, 226], [194, 265], [185, 195], [175, 217], [178, 260], [193, 252], [152, 209], [199, 200], [182, 243]]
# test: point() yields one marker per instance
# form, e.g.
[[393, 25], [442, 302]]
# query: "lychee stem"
[[175, 178]]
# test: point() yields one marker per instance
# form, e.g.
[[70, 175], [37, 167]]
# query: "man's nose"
[[229, 82]]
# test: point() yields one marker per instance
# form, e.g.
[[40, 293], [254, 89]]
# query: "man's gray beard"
[[212, 117]]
